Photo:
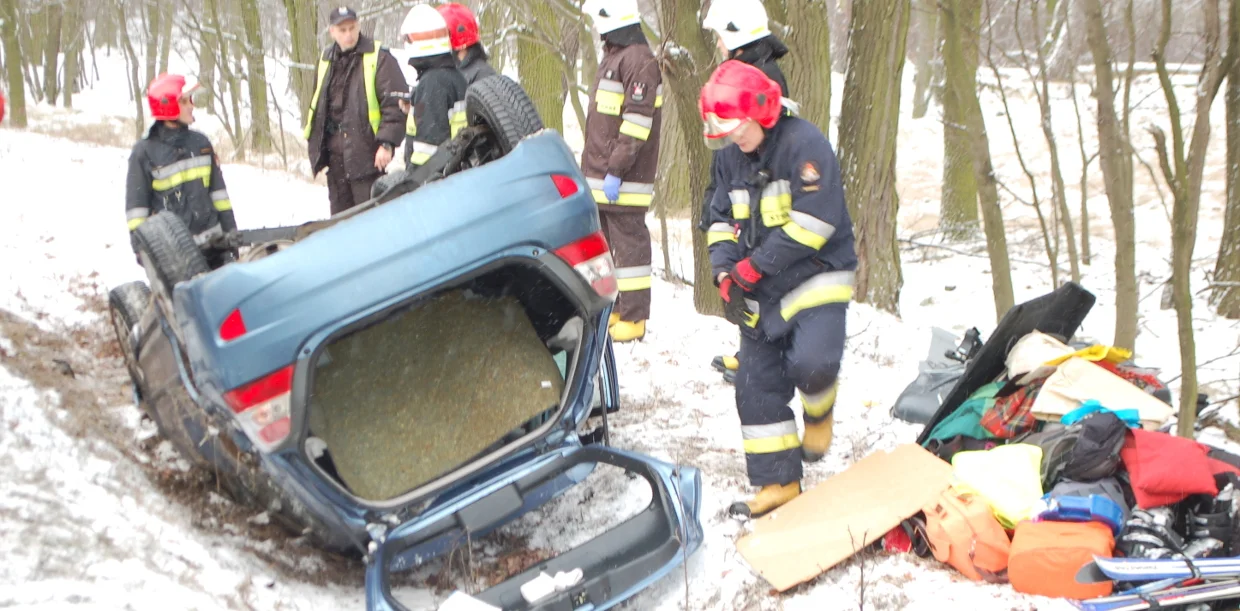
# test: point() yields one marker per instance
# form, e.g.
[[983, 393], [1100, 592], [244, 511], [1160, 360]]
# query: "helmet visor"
[[719, 127], [195, 94]]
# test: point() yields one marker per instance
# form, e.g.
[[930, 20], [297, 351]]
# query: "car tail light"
[[591, 257], [565, 185], [262, 407], [232, 327]]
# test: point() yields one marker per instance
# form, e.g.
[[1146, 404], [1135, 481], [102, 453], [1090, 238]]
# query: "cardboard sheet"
[[1027, 359], [1078, 380], [830, 522]]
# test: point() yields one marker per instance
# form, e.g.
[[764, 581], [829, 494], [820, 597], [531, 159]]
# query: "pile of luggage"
[[1064, 485]]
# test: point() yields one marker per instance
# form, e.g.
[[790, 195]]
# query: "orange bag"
[[1047, 555], [963, 532]]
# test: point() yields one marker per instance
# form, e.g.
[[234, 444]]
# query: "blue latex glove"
[[611, 188]]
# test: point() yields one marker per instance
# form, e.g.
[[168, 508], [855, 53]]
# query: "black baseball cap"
[[342, 15]]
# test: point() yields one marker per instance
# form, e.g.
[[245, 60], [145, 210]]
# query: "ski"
[[1142, 569], [1205, 592]]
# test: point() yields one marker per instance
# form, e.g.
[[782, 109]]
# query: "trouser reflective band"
[[411, 126], [637, 126], [808, 230], [220, 200], [824, 288], [422, 152], [135, 216], [767, 438], [181, 172], [720, 232], [633, 278], [818, 405], [658, 96], [609, 98], [631, 193], [457, 119]]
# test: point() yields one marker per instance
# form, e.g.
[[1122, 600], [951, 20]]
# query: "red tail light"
[[565, 185], [591, 257], [232, 327], [263, 407]]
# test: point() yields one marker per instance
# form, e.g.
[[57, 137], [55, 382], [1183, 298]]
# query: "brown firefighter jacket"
[[622, 126], [364, 114]]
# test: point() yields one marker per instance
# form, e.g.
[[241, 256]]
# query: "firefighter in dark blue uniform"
[[782, 254]]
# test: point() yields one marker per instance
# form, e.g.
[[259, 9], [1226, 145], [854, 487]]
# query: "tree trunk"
[[958, 201], [75, 32], [152, 12], [13, 61], [540, 68], [925, 24], [841, 31], [51, 52], [32, 47], [1117, 174], [869, 122], [260, 119], [683, 77], [1226, 293], [570, 58], [227, 76], [166, 13], [303, 30], [809, 44], [131, 58], [208, 56], [1059, 196]]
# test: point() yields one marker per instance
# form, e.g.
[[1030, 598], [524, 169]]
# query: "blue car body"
[[508, 212]]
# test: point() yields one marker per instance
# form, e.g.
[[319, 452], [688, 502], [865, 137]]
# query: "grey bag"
[[936, 377]]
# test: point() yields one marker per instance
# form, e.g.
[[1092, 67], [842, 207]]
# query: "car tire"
[[168, 252], [126, 303], [502, 105]]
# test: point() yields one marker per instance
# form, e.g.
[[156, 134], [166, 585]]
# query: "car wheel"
[[502, 105], [168, 252], [126, 303]]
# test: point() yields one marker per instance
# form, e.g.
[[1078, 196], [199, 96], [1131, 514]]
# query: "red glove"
[[725, 287], [745, 275]]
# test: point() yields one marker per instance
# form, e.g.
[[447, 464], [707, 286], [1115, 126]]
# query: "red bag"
[[1165, 469], [963, 532]]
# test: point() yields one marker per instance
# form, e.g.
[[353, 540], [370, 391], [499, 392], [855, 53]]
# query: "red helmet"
[[735, 92], [462, 25], [165, 94]]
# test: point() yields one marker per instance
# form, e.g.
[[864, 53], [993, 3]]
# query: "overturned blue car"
[[409, 375]]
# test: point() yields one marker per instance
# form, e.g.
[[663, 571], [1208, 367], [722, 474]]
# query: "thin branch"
[[966, 253], [1160, 145], [1204, 363]]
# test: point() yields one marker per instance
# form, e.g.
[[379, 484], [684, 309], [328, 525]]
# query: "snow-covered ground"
[[97, 512]]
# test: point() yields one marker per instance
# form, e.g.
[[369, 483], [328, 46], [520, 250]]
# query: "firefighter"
[[742, 33], [622, 153], [175, 169], [438, 109], [463, 33], [782, 255], [353, 125]]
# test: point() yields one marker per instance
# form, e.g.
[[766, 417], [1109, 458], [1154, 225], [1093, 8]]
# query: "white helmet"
[[738, 22], [425, 32], [612, 15]]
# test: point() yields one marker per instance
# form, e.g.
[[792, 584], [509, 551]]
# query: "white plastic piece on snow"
[[545, 585], [460, 601]]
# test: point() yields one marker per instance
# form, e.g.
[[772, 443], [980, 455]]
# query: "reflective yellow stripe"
[[314, 101], [633, 284], [223, 205], [422, 152], [767, 445], [457, 120], [808, 229], [824, 288], [626, 199], [776, 203], [419, 158], [740, 204], [370, 67], [182, 177], [740, 212], [634, 130], [133, 223], [411, 125], [714, 237], [804, 236], [658, 97], [609, 98], [818, 405]]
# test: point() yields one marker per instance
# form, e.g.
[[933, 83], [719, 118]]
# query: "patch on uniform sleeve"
[[205, 151], [809, 173], [639, 92]]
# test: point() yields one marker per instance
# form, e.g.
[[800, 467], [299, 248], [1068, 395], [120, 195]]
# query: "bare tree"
[[151, 14], [923, 48], [1085, 161], [539, 62], [13, 62], [1183, 169], [131, 59], [958, 199], [1225, 295], [805, 27], [51, 51], [260, 119], [74, 35], [869, 122]]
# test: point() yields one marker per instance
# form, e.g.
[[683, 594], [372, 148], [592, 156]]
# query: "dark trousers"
[[806, 359], [629, 238], [342, 192]]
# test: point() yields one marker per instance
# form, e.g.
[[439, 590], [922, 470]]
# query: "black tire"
[[502, 105], [126, 304], [169, 253]]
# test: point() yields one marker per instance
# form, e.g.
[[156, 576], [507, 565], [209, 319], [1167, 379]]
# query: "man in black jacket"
[[463, 32], [438, 111], [353, 125], [174, 169]]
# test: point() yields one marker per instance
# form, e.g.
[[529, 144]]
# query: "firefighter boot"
[[768, 498], [819, 422], [625, 331]]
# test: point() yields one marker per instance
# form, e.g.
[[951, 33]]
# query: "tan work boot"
[[768, 498], [612, 320], [817, 437], [625, 331]]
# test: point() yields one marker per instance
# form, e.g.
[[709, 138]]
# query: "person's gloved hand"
[[735, 310], [611, 188], [745, 275]]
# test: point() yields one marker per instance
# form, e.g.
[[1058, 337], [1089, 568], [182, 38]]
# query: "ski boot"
[[770, 497], [1150, 533]]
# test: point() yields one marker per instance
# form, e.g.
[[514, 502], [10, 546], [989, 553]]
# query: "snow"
[[81, 520]]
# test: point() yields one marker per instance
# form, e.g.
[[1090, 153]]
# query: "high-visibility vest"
[[370, 67]]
